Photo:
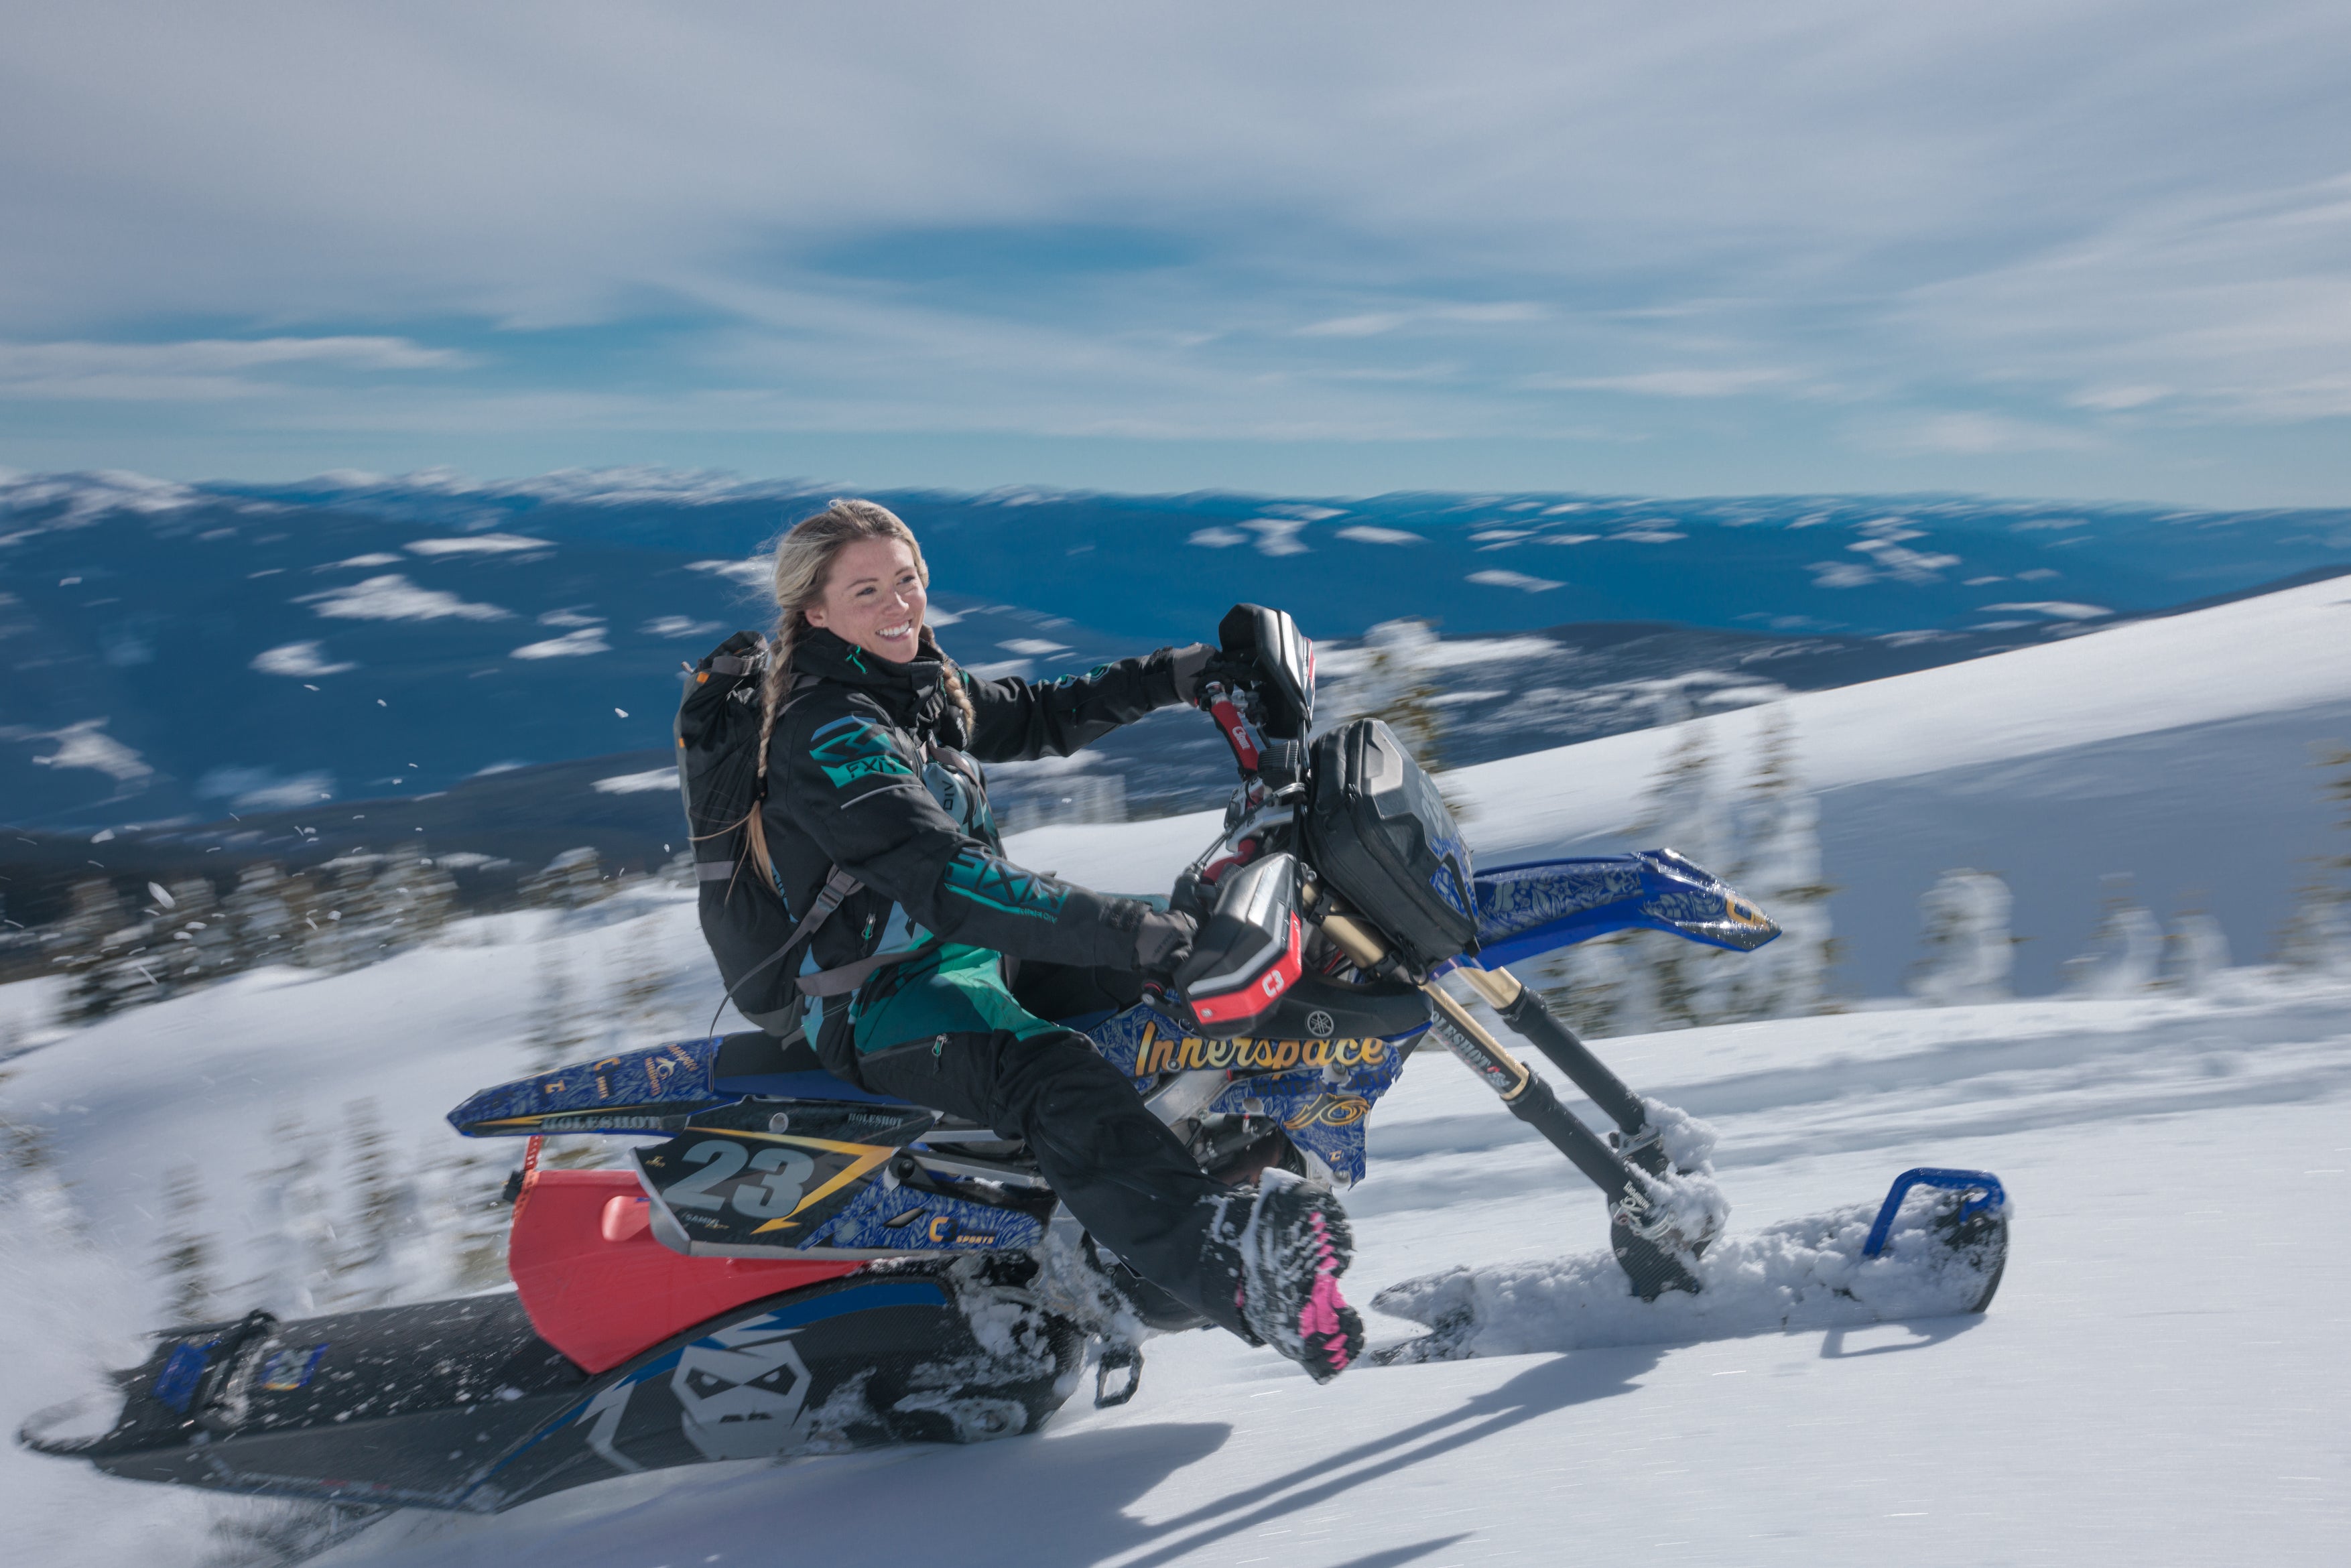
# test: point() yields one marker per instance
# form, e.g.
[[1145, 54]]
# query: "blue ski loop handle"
[[1993, 1196]]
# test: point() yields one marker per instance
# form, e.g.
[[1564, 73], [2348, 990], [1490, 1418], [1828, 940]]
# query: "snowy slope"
[[2183, 688], [2161, 1380]]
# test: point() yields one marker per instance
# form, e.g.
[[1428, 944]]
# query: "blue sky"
[[2057, 248]]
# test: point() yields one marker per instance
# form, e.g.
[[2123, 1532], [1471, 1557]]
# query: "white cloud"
[[1374, 323], [87, 745], [377, 560], [1670, 383], [2057, 608], [263, 790], [1276, 536], [570, 618], [1219, 538], [637, 783], [477, 544], [685, 626], [1974, 433], [198, 370], [1367, 534], [1034, 647], [1518, 579], [394, 597], [1841, 574], [298, 659], [757, 572], [570, 646]]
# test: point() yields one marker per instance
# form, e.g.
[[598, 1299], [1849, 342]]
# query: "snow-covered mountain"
[[183, 651]]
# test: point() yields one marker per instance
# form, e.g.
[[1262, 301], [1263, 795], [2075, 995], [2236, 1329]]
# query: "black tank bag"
[[1382, 836]]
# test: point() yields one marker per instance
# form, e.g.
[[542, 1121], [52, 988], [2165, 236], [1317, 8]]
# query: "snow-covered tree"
[[572, 880], [1684, 810], [191, 922], [411, 896], [1597, 988], [2199, 950], [2317, 936], [2125, 954], [1776, 862], [1963, 921], [95, 916], [1398, 684], [186, 1250], [261, 924], [371, 1262], [557, 1030], [344, 932], [292, 1223]]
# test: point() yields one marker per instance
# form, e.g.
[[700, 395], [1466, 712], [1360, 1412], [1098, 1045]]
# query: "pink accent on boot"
[[1318, 1322]]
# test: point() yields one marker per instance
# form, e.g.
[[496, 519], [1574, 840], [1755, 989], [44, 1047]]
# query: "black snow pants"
[[1120, 1171]]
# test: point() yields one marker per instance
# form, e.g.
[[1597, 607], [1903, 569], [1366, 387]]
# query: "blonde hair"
[[804, 558]]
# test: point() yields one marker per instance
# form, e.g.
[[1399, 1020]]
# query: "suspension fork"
[[1520, 1007], [1652, 1269]]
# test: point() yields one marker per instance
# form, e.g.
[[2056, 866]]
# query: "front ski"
[[1936, 1247]]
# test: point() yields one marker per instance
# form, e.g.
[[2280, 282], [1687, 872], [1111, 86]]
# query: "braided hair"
[[804, 558]]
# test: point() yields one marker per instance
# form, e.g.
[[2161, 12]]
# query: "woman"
[[870, 733]]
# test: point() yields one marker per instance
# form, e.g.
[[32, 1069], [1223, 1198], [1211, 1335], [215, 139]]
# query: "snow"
[[2024, 755], [2160, 1379]]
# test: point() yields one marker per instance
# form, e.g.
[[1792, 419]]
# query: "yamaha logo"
[[1321, 1024]]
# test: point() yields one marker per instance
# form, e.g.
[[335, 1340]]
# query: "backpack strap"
[[754, 828], [838, 886]]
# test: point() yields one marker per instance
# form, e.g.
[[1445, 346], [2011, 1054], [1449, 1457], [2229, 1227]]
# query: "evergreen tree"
[[94, 918], [1593, 987], [557, 1030], [637, 980], [411, 898], [187, 1249], [1964, 929], [381, 1207], [2126, 952], [572, 880], [2199, 950], [192, 923], [1682, 810], [2317, 937], [261, 925], [293, 1225], [1777, 862]]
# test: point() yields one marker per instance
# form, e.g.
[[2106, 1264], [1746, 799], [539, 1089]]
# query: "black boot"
[[1282, 1245]]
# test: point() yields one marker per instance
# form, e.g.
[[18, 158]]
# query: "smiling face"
[[875, 598]]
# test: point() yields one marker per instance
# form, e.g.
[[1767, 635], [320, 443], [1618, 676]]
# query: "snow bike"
[[795, 1265]]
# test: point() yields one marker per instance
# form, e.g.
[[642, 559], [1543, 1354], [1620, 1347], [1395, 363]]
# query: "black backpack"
[[751, 933]]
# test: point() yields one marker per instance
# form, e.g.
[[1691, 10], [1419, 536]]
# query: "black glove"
[[1198, 665], [1163, 942], [1186, 664]]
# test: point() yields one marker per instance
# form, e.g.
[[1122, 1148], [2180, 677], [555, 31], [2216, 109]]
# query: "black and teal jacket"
[[870, 770]]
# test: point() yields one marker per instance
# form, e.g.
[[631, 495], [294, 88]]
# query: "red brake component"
[[1262, 991], [1237, 733], [599, 1288]]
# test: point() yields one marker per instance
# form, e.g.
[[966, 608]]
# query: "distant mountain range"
[[177, 653]]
